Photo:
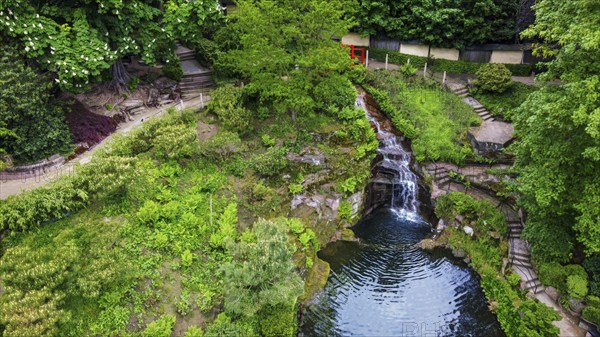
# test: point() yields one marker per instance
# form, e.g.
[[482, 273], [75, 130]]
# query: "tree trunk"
[[120, 77]]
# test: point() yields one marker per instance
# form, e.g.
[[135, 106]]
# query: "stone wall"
[[356, 40], [507, 57]]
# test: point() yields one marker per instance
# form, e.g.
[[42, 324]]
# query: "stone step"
[[444, 181], [514, 235], [184, 86], [515, 230], [463, 95], [484, 114], [480, 108], [489, 118], [534, 284], [519, 256], [520, 263], [186, 53], [192, 77], [460, 90]]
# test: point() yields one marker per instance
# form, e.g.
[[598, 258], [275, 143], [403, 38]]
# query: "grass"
[[500, 105], [439, 118]]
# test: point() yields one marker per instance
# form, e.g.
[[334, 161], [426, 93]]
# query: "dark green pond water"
[[384, 286]]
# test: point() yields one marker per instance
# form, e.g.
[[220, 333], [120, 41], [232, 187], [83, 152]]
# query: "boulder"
[[468, 230], [552, 293]]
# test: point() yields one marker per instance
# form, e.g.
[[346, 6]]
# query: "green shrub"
[[334, 90], [592, 266], [295, 225], [175, 142], [270, 163], [162, 327], [27, 109], [278, 321], [268, 141], [194, 331], [295, 188], [494, 78], [480, 212], [173, 70], [592, 314], [222, 146], [227, 103], [577, 286], [345, 211]]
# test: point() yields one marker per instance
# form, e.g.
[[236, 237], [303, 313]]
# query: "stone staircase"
[[196, 80], [462, 91], [520, 258]]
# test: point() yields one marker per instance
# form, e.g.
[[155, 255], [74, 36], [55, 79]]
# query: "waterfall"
[[396, 166]]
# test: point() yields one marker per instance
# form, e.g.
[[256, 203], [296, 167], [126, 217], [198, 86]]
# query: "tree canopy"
[[558, 155], [441, 23], [79, 40]]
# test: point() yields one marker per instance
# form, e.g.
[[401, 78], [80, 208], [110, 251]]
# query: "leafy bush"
[[226, 102], [175, 142], [557, 276], [222, 146], [194, 331], [162, 327], [345, 211], [270, 163], [592, 266], [494, 78], [278, 321], [592, 311], [227, 227], [268, 141], [334, 91], [295, 188], [577, 286], [502, 104], [27, 110], [480, 212], [88, 127], [173, 70], [262, 273]]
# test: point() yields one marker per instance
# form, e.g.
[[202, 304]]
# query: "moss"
[[316, 279], [348, 235]]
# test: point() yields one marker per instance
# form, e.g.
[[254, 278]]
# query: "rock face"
[[491, 137], [384, 183], [310, 155]]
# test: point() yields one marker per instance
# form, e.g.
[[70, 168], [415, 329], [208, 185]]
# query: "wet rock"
[[459, 253], [348, 235], [309, 155], [325, 207], [356, 201], [315, 178]]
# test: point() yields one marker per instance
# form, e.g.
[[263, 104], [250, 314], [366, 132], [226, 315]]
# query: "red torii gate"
[[356, 53]]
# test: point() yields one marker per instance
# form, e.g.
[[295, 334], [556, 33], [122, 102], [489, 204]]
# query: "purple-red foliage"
[[87, 126]]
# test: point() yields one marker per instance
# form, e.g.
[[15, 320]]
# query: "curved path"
[[15, 187]]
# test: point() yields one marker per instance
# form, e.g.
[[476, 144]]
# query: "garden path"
[[18, 186]]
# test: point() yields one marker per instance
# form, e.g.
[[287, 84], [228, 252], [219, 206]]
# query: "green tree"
[[79, 40], [445, 23], [558, 154], [262, 272], [34, 125], [286, 49]]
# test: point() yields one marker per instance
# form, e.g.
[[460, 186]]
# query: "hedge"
[[439, 65]]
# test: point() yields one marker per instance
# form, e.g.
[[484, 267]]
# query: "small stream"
[[384, 285]]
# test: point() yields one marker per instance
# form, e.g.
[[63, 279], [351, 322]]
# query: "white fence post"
[[386, 61], [444, 79], [367, 60], [408, 62], [425, 71]]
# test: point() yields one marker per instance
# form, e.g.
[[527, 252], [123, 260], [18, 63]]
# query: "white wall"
[[510, 57], [414, 49], [355, 39], [445, 53]]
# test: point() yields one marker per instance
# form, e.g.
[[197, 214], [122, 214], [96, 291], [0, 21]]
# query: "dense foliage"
[[558, 155], [493, 78], [518, 315], [37, 126], [80, 40], [288, 55], [451, 23], [436, 121]]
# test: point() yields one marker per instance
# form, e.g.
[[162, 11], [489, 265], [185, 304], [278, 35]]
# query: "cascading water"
[[396, 160], [384, 285]]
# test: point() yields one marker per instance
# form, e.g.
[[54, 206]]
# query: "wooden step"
[[184, 86]]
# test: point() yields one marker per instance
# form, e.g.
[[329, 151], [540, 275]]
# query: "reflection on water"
[[386, 287]]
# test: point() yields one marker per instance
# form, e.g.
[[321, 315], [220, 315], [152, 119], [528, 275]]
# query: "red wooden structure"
[[356, 53]]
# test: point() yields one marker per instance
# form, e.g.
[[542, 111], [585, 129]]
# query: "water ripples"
[[385, 286]]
